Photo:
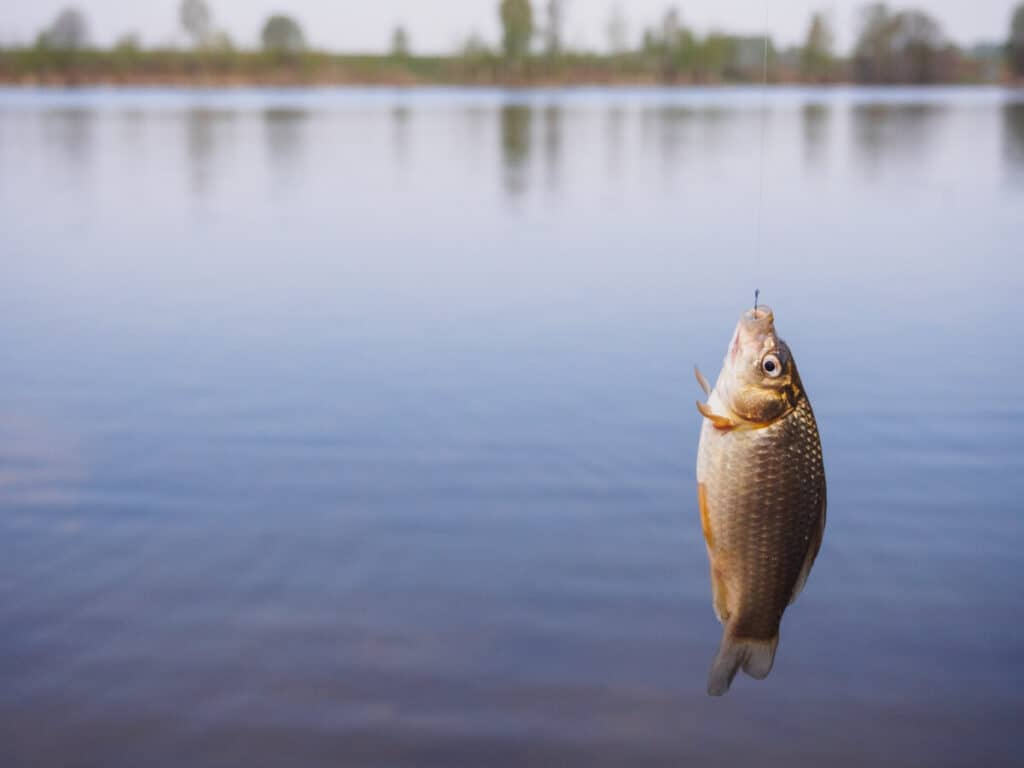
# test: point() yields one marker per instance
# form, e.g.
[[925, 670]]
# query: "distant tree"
[[873, 50], [900, 47], [399, 42], [553, 27], [196, 20], [1015, 48], [478, 61], [618, 30], [650, 43], [668, 43], [686, 50], [283, 33], [474, 47], [129, 41], [220, 41], [517, 27], [745, 57], [816, 57], [919, 43], [717, 54], [670, 26], [69, 31]]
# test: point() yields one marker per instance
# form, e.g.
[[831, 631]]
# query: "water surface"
[[356, 427]]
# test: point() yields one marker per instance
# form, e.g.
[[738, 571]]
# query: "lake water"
[[357, 427]]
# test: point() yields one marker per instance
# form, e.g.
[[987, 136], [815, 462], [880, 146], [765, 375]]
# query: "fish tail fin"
[[754, 656], [760, 657]]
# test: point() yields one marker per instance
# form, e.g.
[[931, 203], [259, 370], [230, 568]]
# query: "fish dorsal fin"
[[701, 380]]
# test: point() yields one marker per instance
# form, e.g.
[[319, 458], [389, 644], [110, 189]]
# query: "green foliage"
[[901, 47], [399, 42], [618, 31], [517, 27], [474, 47], [196, 20], [1015, 46], [553, 27], [128, 42], [816, 57], [283, 34], [680, 54], [716, 54], [220, 41], [68, 32], [892, 47]]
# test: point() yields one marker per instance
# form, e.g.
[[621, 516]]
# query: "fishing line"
[[760, 160]]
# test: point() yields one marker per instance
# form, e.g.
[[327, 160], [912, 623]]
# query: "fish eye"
[[771, 365]]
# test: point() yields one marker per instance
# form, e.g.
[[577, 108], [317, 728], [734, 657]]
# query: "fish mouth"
[[760, 320], [755, 328], [756, 325]]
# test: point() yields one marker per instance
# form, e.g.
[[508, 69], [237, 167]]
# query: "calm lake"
[[357, 427]]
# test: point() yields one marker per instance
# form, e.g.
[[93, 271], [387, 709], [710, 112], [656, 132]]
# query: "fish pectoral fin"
[[719, 598], [719, 594], [718, 422], [701, 380]]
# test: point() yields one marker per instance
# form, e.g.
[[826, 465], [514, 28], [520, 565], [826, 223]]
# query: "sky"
[[440, 26]]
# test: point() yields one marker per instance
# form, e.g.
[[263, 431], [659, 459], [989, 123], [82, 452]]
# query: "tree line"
[[892, 46], [70, 31]]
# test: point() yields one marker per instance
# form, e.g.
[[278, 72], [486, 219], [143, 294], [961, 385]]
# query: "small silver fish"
[[761, 494]]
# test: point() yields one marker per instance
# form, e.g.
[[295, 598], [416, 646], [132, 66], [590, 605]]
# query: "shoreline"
[[237, 83], [35, 67]]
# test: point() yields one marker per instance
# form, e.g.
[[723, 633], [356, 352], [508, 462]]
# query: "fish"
[[760, 493]]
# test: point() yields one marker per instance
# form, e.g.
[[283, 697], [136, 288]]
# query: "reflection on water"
[[364, 466], [206, 134], [553, 130], [516, 126], [817, 119], [667, 129], [894, 133], [133, 126], [614, 139], [401, 116], [1013, 135], [70, 133], [285, 136]]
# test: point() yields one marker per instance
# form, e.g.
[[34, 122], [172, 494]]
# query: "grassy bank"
[[133, 66]]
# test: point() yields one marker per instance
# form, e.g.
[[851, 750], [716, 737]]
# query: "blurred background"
[[347, 408], [510, 42]]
